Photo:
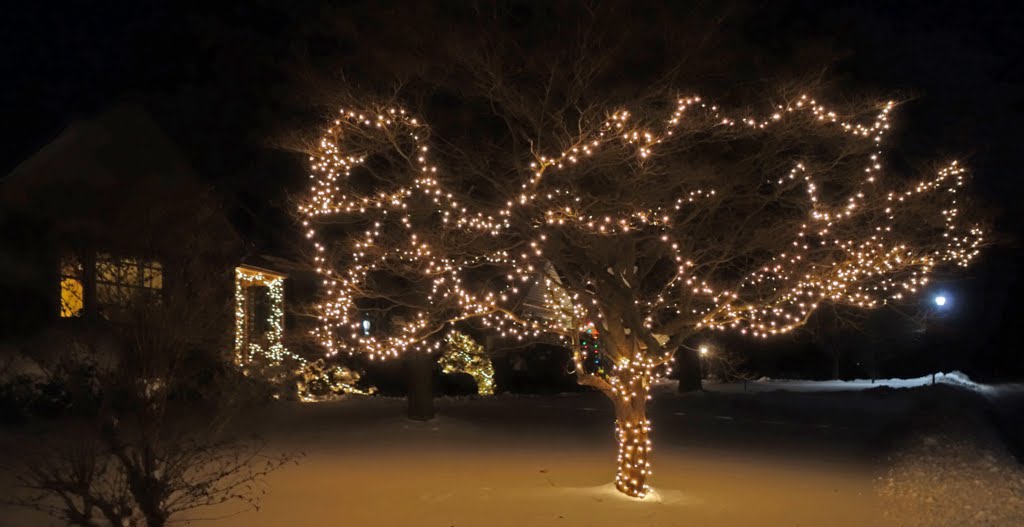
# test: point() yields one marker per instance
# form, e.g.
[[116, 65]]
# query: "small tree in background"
[[724, 364], [828, 326], [869, 337], [462, 354]]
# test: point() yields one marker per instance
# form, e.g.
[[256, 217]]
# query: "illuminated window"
[[124, 282], [71, 290]]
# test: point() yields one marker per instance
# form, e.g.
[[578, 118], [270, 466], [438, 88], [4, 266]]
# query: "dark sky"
[[216, 75]]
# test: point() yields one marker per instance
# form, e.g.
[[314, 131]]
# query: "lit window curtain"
[[125, 282], [71, 288]]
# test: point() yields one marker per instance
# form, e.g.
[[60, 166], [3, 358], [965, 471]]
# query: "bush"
[[70, 389], [208, 378]]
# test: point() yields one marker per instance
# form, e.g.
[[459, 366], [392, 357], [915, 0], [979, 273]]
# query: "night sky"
[[220, 77]]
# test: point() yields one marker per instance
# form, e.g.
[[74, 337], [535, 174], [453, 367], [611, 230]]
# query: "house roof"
[[123, 142], [114, 178], [278, 265], [248, 268]]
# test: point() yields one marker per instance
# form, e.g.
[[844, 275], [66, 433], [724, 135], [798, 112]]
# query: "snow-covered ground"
[[945, 479], [796, 457]]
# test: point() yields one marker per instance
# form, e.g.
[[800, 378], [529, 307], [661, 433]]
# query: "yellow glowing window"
[[152, 276], [71, 289], [122, 282]]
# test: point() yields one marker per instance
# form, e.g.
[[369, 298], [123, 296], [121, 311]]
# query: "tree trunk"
[[156, 520], [688, 364], [420, 389], [835, 365], [632, 430]]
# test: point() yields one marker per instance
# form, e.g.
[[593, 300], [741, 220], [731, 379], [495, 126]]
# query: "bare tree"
[[838, 329], [90, 481], [526, 81], [828, 326], [651, 215], [652, 226], [724, 364]]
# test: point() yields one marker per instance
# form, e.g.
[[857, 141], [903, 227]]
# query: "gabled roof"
[[120, 144], [117, 179], [284, 266]]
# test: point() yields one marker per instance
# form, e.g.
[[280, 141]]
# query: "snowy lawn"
[[720, 458], [469, 469]]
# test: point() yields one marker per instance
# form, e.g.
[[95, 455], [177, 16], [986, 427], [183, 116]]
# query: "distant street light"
[[940, 300]]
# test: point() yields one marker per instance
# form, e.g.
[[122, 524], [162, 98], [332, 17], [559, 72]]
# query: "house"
[[108, 215]]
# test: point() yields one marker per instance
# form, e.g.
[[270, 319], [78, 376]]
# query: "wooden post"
[[90, 305]]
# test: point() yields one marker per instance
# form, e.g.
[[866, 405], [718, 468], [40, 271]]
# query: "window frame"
[[111, 283]]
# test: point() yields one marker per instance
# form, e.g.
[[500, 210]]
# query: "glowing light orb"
[[940, 300]]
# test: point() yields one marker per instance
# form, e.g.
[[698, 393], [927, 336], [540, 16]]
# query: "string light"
[[464, 355], [312, 377], [245, 347], [846, 233], [634, 457], [318, 381]]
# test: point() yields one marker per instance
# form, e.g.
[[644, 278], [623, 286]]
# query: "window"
[[120, 283], [71, 289], [125, 282]]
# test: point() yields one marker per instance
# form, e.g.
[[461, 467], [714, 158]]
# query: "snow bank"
[[954, 378]]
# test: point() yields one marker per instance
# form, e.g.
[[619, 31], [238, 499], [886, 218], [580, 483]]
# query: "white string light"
[[464, 355], [866, 248], [337, 379]]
